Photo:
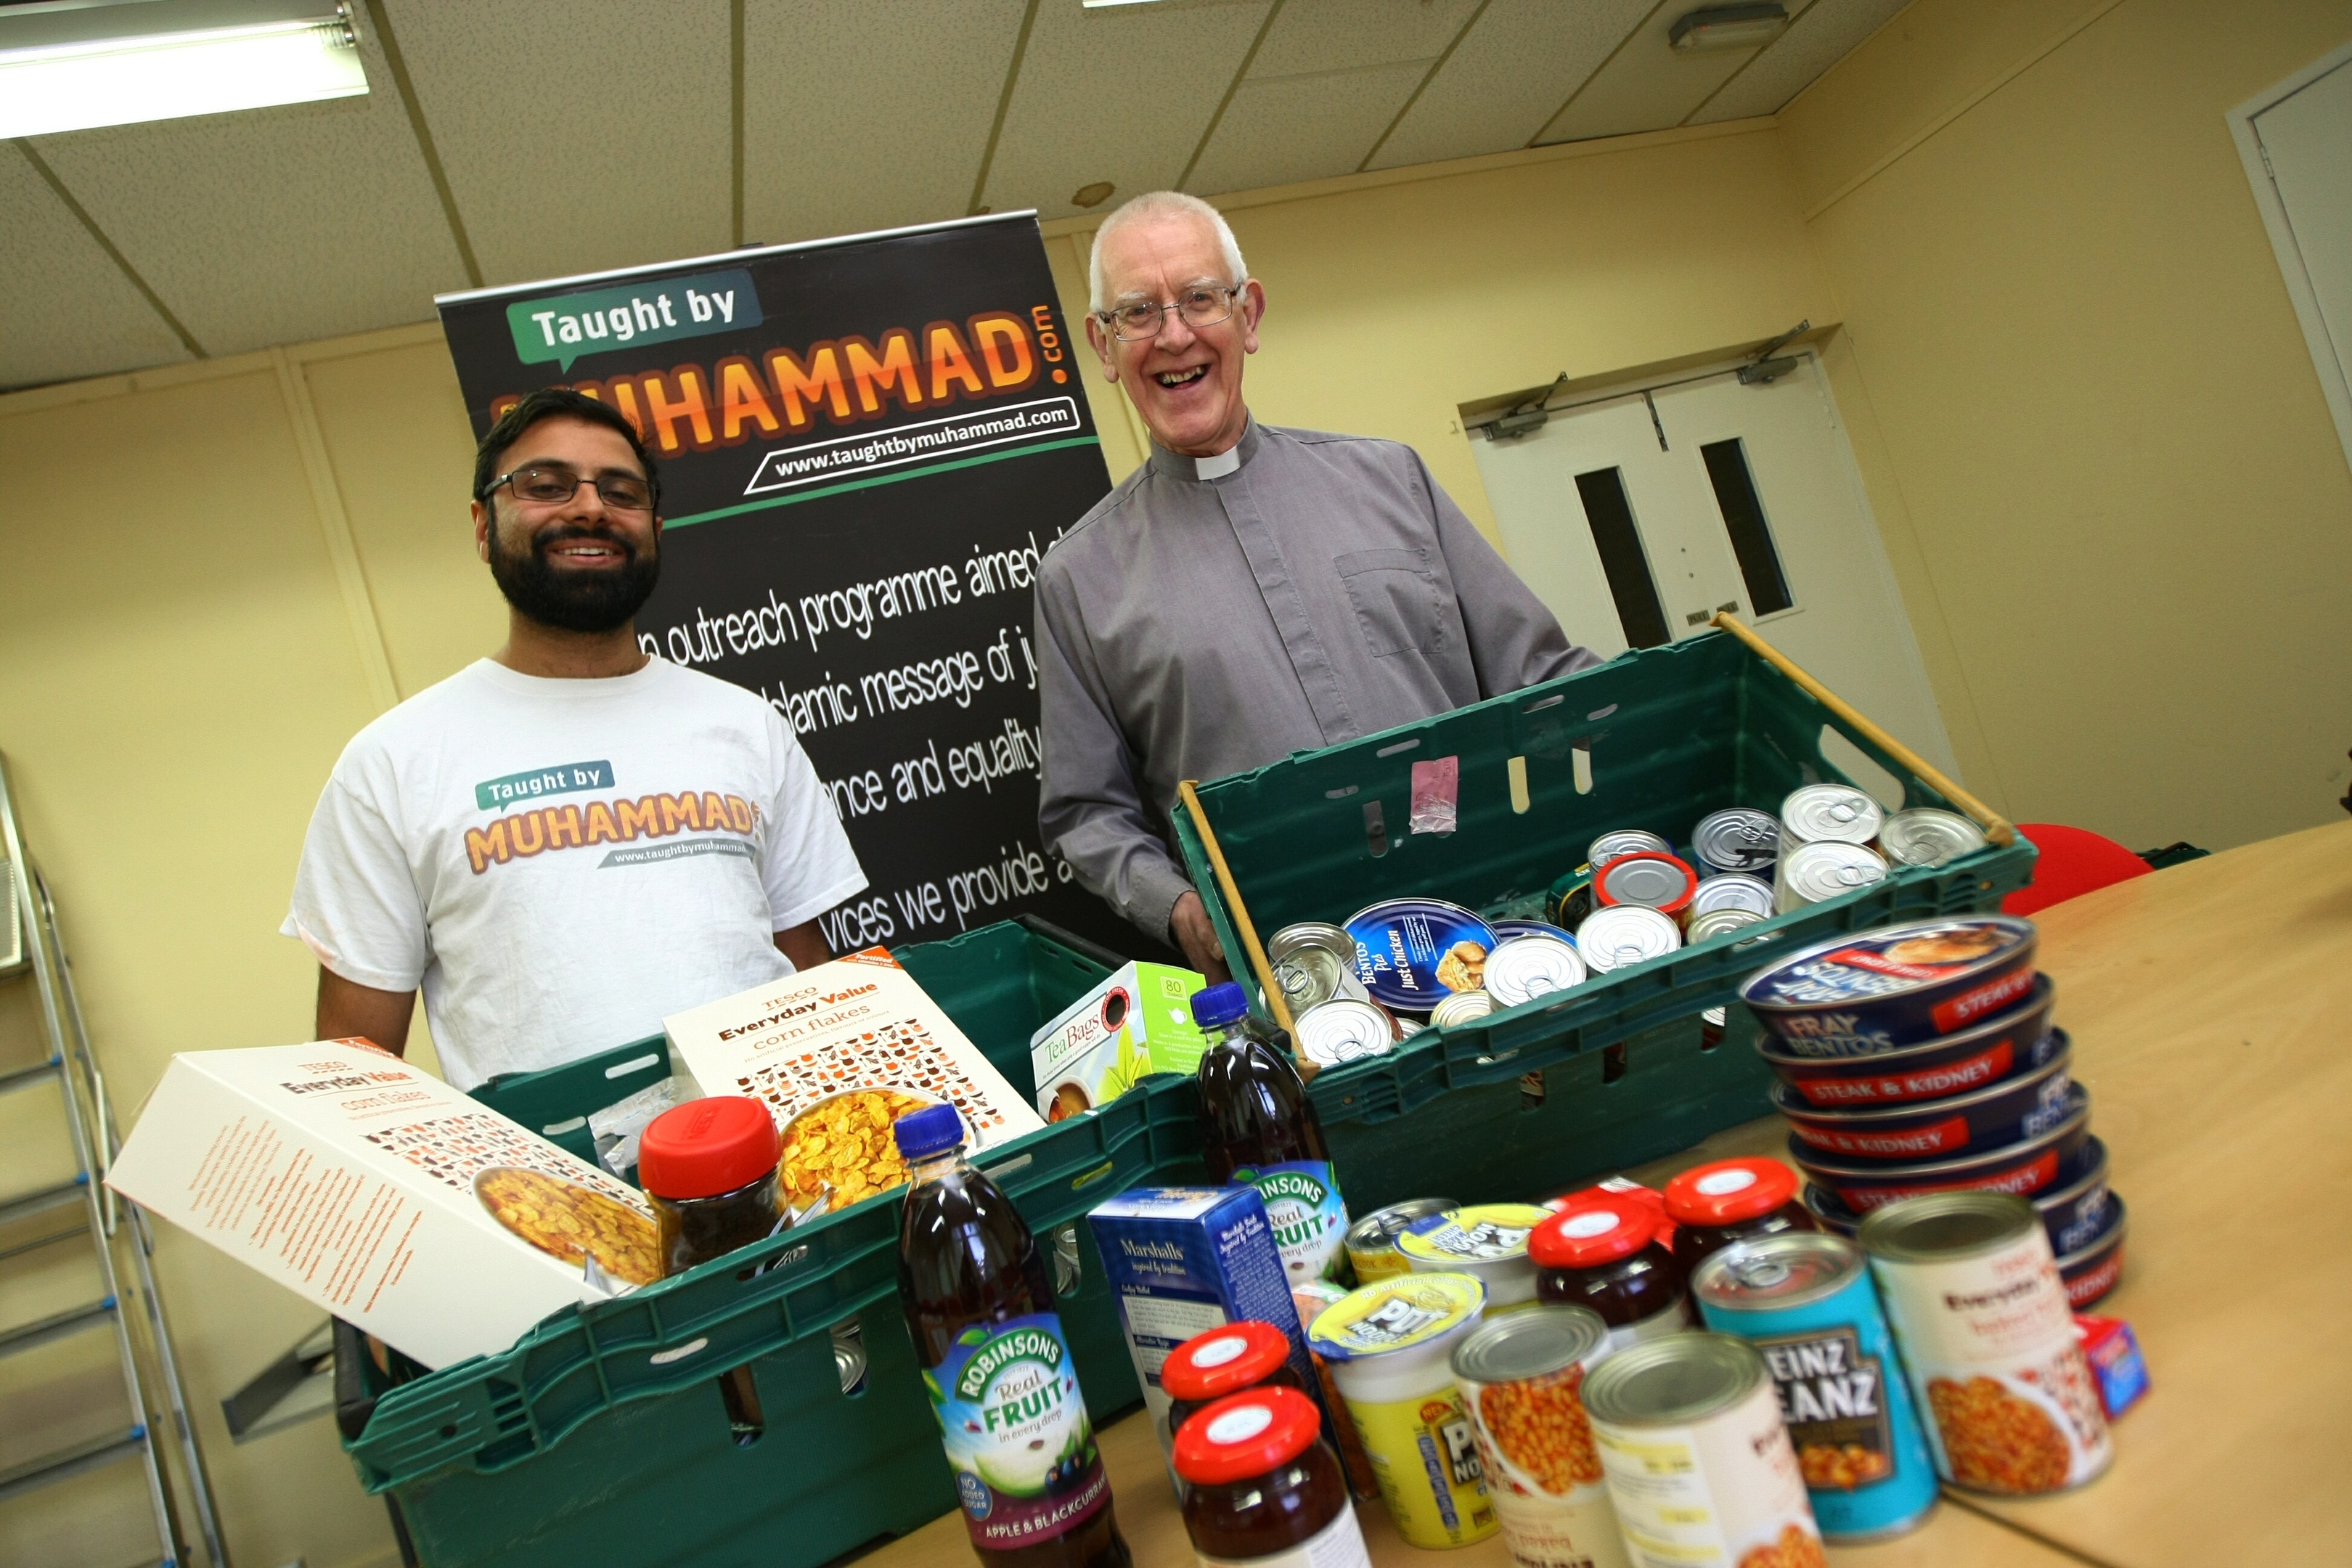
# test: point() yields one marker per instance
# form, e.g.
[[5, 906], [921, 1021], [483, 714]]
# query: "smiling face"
[[576, 566], [1186, 381]]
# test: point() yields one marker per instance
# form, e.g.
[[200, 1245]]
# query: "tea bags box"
[[1137, 1021], [380, 1193]]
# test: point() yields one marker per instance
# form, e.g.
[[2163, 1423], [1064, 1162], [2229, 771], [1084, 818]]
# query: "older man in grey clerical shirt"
[[1248, 592]]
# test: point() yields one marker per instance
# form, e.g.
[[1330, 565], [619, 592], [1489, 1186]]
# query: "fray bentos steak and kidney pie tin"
[[1972, 1123], [2024, 1168], [2017, 1041], [1871, 992], [2076, 1211]]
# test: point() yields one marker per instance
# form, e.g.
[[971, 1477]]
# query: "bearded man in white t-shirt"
[[565, 841]]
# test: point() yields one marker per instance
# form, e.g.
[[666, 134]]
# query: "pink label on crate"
[[1922, 1083], [2027, 1178], [1988, 998], [1947, 1134]]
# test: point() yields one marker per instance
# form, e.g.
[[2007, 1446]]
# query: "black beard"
[[573, 601]]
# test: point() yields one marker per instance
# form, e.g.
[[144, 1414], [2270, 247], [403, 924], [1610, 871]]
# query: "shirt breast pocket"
[[1397, 599]]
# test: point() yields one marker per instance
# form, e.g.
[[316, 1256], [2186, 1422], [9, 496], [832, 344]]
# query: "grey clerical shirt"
[[1211, 615]]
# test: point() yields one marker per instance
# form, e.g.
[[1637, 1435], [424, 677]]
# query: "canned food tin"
[[1462, 1007], [1505, 930], [1806, 1303], [1623, 841], [1739, 840], [2016, 1041], [1570, 898], [1716, 923], [1699, 1464], [1977, 1305], [1816, 873], [1731, 890], [1924, 836], [1371, 1240], [1314, 962], [1389, 1346], [1625, 933], [1831, 813], [2075, 1213], [1343, 1030], [1487, 1241], [1410, 953], [1868, 992], [1973, 1121], [2093, 1271], [2022, 1168], [1518, 1377], [1526, 967], [1653, 877]]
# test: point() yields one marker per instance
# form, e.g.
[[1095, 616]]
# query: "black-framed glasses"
[[1202, 305], [551, 484]]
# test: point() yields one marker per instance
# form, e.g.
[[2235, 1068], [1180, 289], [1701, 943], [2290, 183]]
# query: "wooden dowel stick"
[[1997, 827], [1275, 1001]]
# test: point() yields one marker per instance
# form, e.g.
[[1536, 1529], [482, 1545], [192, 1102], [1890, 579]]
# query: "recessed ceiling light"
[[70, 67], [1729, 27], [1093, 195]]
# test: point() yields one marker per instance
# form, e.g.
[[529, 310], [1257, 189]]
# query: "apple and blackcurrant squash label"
[[1016, 1433], [1308, 1215]]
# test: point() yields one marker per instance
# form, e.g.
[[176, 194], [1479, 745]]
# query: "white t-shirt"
[[562, 863]]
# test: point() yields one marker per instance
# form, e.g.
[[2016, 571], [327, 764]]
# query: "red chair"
[[2074, 861]]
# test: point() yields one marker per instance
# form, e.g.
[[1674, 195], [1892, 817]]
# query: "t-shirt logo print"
[[621, 821]]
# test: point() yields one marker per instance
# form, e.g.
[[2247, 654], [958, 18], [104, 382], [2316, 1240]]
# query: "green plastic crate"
[[1666, 735]]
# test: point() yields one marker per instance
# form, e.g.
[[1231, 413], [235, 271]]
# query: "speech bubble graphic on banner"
[[563, 327]]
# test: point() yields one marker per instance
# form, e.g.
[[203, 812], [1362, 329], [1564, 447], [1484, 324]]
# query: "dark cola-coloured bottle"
[[1258, 1127]]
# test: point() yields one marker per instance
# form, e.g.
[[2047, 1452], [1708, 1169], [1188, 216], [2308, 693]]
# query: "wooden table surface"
[[2208, 1004]]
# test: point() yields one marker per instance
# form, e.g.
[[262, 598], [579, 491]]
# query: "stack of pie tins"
[[1921, 1059]]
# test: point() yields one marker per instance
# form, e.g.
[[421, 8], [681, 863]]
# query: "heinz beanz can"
[[1974, 1296], [1699, 1466], [1806, 1303], [1518, 1377]]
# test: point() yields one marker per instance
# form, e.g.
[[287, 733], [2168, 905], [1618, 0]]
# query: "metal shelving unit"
[[81, 1206]]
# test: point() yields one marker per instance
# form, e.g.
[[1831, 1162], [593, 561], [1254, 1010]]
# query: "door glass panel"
[[1611, 517], [1743, 519]]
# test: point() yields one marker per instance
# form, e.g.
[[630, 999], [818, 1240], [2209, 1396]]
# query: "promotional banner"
[[865, 445]]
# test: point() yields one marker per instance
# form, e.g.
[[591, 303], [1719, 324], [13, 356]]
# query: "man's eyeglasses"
[[1202, 305], [551, 484]]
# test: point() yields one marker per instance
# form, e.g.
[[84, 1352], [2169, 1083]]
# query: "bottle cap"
[[1223, 1360], [706, 1147], [1245, 1435], [1220, 1004], [1589, 1237], [931, 1131], [1729, 1191]]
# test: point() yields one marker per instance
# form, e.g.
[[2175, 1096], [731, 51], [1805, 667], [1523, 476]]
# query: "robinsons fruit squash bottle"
[[1259, 1127], [997, 1365]]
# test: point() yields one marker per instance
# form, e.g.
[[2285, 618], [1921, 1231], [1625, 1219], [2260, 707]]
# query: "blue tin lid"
[[1412, 953]]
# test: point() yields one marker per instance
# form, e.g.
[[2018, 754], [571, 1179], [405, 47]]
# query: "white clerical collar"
[[1217, 468]]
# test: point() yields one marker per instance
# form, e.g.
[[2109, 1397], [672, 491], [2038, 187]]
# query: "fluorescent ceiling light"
[[1105, 5], [66, 66], [1727, 26]]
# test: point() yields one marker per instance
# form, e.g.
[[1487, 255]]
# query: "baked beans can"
[[1805, 1300], [1816, 873], [1829, 813], [1654, 876], [1739, 840], [1973, 1294], [1623, 841], [1924, 836], [1371, 1241], [1519, 1378], [1314, 963], [1526, 967], [1699, 1464], [1730, 891], [1624, 934], [1343, 1030]]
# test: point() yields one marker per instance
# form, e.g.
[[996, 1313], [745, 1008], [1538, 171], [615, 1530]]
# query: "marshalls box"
[[1139, 1021], [859, 1022], [374, 1190]]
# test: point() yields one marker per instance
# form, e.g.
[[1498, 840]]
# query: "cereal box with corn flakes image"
[[374, 1190], [839, 1052]]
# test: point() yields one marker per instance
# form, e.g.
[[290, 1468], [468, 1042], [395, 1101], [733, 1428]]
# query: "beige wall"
[[2087, 422]]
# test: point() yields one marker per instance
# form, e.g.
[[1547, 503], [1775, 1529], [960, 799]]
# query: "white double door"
[[1636, 516]]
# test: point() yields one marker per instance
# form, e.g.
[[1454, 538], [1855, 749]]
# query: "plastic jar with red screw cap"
[[1714, 1204], [1605, 1255], [708, 1168], [1209, 1366], [1265, 1488]]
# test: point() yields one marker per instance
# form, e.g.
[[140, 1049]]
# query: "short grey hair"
[[1161, 204]]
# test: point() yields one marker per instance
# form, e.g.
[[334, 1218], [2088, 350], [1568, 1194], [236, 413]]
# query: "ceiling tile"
[[1312, 36], [272, 226], [1816, 40], [1648, 85], [848, 126], [1304, 127], [1510, 74], [1120, 94], [579, 135], [67, 311]]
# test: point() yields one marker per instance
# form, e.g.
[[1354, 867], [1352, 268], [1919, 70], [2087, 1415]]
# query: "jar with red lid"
[[1607, 1256], [1209, 1366], [1714, 1204], [1264, 1487]]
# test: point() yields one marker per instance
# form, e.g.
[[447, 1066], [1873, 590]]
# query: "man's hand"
[[805, 944], [348, 1009], [1189, 924]]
